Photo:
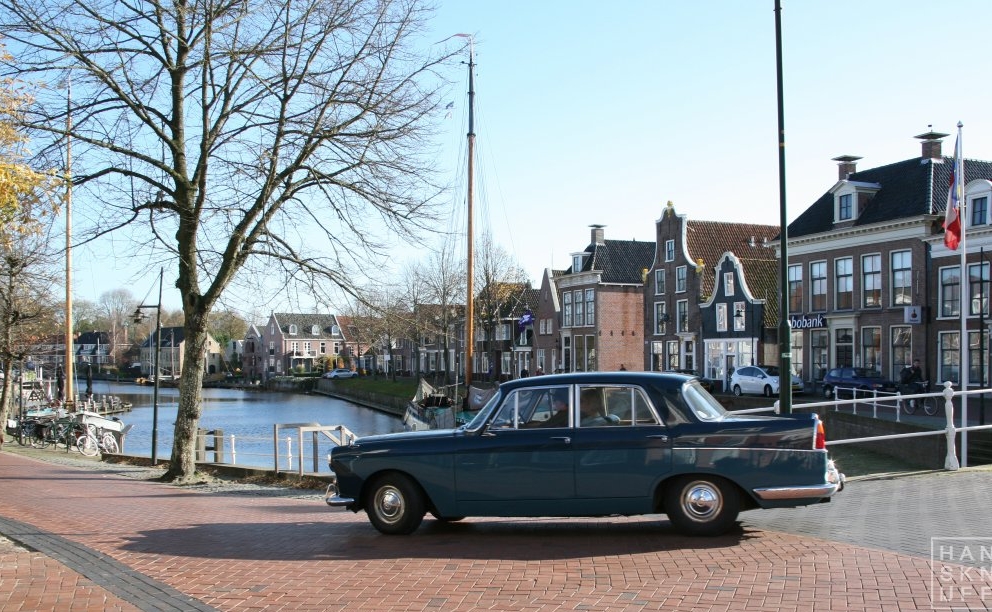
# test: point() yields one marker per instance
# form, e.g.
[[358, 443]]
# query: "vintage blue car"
[[590, 444]]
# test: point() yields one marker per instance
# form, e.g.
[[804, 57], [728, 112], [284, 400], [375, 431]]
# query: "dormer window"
[[292, 330], [851, 198], [576, 263], [845, 207], [314, 330]]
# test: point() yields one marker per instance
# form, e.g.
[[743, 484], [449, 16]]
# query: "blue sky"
[[592, 112]]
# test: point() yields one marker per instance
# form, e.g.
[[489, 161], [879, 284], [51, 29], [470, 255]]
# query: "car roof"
[[592, 378]]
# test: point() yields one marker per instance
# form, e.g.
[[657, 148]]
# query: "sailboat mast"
[[470, 266]]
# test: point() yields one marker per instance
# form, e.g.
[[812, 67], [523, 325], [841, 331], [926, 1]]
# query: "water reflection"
[[249, 416]]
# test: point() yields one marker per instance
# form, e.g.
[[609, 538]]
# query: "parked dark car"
[[862, 379], [590, 444]]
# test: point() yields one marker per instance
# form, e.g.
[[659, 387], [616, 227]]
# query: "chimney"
[[597, 234], [846, 166], [931, 144]]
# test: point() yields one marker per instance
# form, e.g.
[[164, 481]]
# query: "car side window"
[[533, 407], [629, 406]]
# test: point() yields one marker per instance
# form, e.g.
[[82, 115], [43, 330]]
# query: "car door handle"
[[661, 437], [564, 439]]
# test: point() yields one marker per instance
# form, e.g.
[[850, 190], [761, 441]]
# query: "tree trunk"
[[183, 464]]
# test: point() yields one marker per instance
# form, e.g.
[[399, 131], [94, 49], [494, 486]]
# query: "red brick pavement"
[[242, 552]]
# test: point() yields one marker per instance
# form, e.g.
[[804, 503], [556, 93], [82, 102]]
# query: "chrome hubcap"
[[701, 501], [389, 504]]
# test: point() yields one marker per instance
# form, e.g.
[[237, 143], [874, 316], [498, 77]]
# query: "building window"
[[739, 316], [590, 306], [567, 309], [795, 288], [844, 279], [660, 318], [728, 284], [980, 211], [950, 292], [978, 363], [978, 287], [902, 350], [871, 348], [680, 279], [797, 354], [659, 282], [819, 353], [306, 348], [579, 310], [844, 346], [272, 348], [902, 278], [950, 356], [845, 207], [721, 317], [669, 250], [576, 263], [682, 313], [818, 286], [673, 354], [871, 281], [292, 330]]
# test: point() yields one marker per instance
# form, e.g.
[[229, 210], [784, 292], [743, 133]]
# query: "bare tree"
[[28, 308], [235, 133], [116, 310], [500, 279], [441, 284]]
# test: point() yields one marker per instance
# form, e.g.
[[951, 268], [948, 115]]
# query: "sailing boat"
[[430, 408]]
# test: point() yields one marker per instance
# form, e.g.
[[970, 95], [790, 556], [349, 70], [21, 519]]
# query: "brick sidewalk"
[[111, 542]]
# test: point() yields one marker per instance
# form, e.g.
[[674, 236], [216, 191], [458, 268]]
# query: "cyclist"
[[912, 377]]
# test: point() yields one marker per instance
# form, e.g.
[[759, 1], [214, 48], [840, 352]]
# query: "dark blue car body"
[[632, 443]]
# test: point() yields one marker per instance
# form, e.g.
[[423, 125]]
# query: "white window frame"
[[659, 281], [721, 317], [681, 273], [669, 250], [728, 284]]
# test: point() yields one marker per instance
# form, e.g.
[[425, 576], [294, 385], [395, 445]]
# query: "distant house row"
[[869, 283]]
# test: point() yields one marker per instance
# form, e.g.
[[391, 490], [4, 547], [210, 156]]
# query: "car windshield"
[[702, 404], [480, 418]]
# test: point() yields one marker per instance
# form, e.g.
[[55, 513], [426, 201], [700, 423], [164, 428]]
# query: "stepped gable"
[[908, 188], [709, 240]]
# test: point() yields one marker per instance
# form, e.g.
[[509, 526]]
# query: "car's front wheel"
[[702, 505], [768, 390], [828, 392], [737, 390], [395, 504]]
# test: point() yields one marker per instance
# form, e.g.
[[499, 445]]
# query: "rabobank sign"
[[806, 321]]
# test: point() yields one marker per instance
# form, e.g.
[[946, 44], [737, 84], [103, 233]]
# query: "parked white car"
[[760, 380], [341, 373]]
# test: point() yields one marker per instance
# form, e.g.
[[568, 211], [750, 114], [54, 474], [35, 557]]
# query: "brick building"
[[602, 305]]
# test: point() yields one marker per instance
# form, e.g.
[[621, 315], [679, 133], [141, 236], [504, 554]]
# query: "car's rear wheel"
[[737, 390], [768, 390], [828, 392], [395, 504], [702, 505]]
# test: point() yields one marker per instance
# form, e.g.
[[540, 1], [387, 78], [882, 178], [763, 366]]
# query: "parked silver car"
[[760, 380]]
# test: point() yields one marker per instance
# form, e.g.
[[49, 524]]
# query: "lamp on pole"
[[138, 318]]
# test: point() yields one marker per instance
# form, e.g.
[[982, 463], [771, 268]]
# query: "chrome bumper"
[[332, 499], [834, 483]]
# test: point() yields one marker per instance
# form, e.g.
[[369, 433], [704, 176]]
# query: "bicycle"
[[909, 406]]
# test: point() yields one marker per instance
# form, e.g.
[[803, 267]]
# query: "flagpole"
[[960, 182]]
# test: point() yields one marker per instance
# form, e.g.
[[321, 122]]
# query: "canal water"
[[249, 416]]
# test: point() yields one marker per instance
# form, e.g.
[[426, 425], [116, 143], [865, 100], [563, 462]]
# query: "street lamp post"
[[138, 318]]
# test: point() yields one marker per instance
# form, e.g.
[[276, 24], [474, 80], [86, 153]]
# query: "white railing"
[[894, 401], [222, 447]]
